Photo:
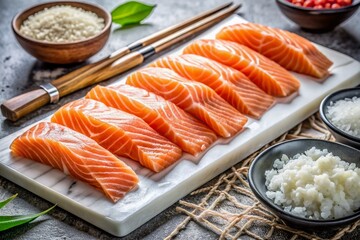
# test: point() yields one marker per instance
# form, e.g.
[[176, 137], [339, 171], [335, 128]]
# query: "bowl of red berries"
[[318, 15]]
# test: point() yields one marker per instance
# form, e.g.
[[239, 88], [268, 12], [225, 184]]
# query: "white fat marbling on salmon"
[[164, 116], [230, 84], [291, 51], [266, 74], [194, 97], [76, 155], [121, 133]]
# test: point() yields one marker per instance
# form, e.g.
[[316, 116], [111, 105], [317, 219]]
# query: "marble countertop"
[[21, 72]]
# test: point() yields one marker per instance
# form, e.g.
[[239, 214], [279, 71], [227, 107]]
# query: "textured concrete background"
[[20, 72]]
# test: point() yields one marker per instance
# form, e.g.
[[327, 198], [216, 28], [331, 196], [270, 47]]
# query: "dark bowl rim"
[[268, 203], [323, 116], [319, 11], [107, 26]]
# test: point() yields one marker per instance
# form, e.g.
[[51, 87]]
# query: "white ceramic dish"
[[156, 192]]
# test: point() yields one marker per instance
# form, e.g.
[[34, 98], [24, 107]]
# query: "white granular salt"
[[315, 185], [345, 114], [62, 23]]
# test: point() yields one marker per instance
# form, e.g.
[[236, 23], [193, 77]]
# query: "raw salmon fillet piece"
[[266, 74], [291, 51], [194, 97], [165, 117], [230, 84], [78, 156], [119, 132]]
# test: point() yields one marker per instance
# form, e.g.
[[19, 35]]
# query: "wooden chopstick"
[[138, 57], [19, 106], [174, 28], [62, 83]]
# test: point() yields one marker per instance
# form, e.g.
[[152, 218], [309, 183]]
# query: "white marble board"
[[156, 192]]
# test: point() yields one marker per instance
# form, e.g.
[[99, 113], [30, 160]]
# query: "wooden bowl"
[[63, 53]]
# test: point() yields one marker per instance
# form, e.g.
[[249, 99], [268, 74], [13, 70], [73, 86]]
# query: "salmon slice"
[[119, 132], [266, 74], [194, 97], [165, 117], [233, 86], [78, 156], [291, 51]]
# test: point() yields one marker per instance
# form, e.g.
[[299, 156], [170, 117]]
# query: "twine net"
[[229, 209]]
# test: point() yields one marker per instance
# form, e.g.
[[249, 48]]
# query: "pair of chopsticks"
[[118, 62]]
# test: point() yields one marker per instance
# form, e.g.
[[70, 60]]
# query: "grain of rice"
[[62, 23], [315, 185]]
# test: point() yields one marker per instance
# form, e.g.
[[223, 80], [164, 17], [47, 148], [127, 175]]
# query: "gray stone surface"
[[20, 72]]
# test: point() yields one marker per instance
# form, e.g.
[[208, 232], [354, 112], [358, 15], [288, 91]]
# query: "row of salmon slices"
[[177, 104]]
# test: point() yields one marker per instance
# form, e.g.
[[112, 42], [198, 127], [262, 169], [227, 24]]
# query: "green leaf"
[[3, 203], [7, 222], [131, 13]]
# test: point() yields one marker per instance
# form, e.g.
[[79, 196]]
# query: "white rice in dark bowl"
[[315, 185], [345, 115]]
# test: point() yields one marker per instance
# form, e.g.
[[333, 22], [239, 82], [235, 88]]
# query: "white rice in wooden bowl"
[[345, 115], [314, 185], [62, 23]]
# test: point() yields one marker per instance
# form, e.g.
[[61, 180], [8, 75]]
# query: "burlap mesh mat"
[[229, 209]]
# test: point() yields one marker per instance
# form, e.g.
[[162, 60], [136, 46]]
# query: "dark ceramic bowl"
[[339, 134], [317, 20], [68, 52], [265, 160]]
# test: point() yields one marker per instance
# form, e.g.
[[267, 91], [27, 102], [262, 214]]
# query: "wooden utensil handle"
[[127, 62], [21, 105], [77, 72], [172, 29], [184, 33], [69, 85]]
